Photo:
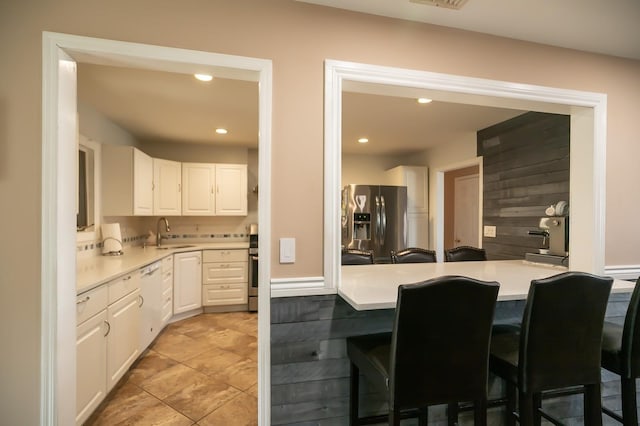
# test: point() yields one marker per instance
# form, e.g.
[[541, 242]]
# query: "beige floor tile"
[[241, 375], [172, 380], [151, 363], [201, 366], [181, 347], [240, 411], [213, 361], [199, 399]]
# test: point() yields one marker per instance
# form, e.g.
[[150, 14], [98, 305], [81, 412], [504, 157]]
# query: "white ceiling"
[[609, 27], [164, 106]]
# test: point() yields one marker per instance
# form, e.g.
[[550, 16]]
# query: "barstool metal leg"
[[511, 404], [629, 409], [452, 413], [354, 389], [527, 407], [592, 405], [480, 412]]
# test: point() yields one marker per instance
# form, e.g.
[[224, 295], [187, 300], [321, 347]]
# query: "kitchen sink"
[[175, 247]]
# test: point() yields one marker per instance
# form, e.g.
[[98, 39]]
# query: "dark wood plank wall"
[[310, 368], [526, 169]]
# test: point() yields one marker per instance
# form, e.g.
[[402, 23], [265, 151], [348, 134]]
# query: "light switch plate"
[[489, 231], [287, 250]]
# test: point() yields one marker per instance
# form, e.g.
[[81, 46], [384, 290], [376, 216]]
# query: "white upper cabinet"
[[214, 189], [416, 179], [198, 189], [167, 185], [127, 181], [231, 189]]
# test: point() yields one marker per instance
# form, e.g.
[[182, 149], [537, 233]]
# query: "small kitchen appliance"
[[554, 230]]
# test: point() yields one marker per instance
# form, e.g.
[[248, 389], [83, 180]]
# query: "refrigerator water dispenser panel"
[[362, 226]]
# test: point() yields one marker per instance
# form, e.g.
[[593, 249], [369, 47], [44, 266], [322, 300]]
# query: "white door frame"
[[58, 322], [439, 216], [588, 112]]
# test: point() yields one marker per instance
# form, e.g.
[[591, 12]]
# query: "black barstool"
[[556, 348], [465, 254], [437, 352], [357, 257], [621, 355], [413, 255]]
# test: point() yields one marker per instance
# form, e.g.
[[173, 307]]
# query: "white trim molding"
[[623, 272], [306, 286], [588, 143], [58, 211]]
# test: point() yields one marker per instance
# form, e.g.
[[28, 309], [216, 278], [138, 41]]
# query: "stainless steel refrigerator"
[[374, 217]]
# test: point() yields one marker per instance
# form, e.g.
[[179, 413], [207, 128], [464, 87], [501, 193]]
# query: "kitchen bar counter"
[[96, 270], [367, 287]]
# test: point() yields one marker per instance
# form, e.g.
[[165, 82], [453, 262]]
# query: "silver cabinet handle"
[[85, 299], [127, 278], [141, 301], [108, 328]]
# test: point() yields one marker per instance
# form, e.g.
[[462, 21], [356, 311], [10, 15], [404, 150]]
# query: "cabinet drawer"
[[90, 303], [123, 285], [224, 294], [237, 255], [224, 272], [167, 264]]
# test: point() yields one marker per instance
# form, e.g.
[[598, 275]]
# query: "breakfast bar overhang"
[[369, 287]]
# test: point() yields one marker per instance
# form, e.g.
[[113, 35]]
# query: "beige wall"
[[297, 38]]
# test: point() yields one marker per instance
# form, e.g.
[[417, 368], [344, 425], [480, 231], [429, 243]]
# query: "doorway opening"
[[61, 52], [461, 203]]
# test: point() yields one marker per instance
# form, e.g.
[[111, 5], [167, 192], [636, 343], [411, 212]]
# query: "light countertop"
[[367, 287], [96, 270]]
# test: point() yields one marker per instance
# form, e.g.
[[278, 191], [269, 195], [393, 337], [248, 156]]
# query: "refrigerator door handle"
[[378, 229], [383, 223]]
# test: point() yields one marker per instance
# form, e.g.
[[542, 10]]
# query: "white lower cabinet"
[[91, 364], [107, 339], [224, 277], [187, 281], [123, 338], [151, 309]]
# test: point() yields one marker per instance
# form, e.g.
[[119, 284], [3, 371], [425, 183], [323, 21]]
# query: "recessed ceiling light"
[[203, 77], [221, 131], [363, 140], [424, 100]]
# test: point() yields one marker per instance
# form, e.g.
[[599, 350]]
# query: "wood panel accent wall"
[[310, 368], [526, 169]]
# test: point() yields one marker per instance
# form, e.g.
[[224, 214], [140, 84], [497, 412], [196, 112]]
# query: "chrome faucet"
[[167, 228]]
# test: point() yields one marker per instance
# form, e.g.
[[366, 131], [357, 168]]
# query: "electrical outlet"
[[489, 231]]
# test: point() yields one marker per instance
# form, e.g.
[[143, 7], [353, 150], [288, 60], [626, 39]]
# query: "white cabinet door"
[[416, 179], [142, 183], [418, 230], [231, 189], [91, 365], [198, 189], [187, 281], [167, 183], [151, 310], [123, 338], [127, 181]]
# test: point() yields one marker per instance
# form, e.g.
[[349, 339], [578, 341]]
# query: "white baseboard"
[[301, 286], [623, 272]]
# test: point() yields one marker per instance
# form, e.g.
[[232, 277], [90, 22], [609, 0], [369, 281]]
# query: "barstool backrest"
[[413, 255], [357, 257], [630, 349], [440, 340], [561, 333], [465, 254]]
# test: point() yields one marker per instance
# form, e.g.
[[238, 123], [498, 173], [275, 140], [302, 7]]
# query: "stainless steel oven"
[[253, 268]]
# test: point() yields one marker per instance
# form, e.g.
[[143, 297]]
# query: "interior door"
[[466, 211]]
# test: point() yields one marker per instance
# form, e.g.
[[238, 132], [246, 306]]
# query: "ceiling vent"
[[449, 4]]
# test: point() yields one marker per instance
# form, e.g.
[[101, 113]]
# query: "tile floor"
[[199, 371]]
